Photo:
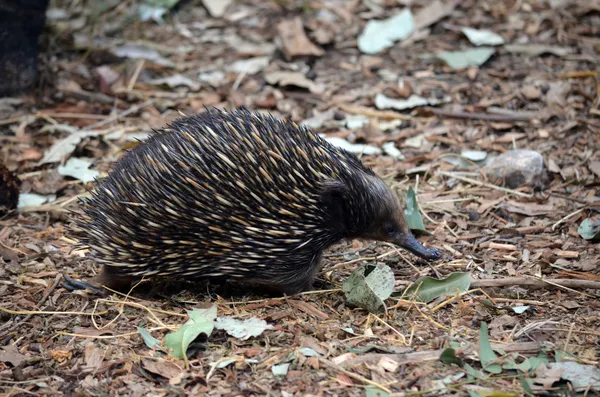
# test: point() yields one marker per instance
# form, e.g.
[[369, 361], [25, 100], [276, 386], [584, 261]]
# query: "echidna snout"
[[389, 223], [236, 195]]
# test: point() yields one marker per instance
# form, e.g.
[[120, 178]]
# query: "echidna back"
[[220, 193]]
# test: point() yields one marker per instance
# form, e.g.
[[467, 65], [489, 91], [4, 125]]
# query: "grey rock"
[[516, 168]]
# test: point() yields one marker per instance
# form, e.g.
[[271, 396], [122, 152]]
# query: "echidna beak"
[[409, 242]]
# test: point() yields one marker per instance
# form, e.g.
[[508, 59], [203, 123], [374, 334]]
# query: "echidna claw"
[[71, 284]]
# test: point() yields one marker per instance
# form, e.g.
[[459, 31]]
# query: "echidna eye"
[[388, 227]]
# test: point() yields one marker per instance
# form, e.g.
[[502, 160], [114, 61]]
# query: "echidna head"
[[370, 210]]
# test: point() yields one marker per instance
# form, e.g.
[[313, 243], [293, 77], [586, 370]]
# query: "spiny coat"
[[236, 194]]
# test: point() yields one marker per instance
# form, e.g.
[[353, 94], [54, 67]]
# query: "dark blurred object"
[[21, 24], [9, 190]]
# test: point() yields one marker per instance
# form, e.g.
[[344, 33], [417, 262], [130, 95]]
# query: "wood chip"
[[567, 254], [309, 308], [502, 247]]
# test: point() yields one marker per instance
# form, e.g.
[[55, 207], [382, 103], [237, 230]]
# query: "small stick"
[[116, 117], [392, 328], [372, 112], [536, 283], [567, 217], [482, 116], [478, 183], [136, 73], [331, 365]]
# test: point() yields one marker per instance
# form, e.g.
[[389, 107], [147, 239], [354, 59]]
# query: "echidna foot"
[[72, 284]]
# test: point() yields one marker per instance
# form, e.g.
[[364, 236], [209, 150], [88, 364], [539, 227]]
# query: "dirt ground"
[[109, 78]]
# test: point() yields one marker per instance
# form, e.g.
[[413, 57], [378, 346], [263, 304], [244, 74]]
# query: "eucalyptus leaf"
[[527, 384], [486, 355], [482, 37], [381, 34], [242, 329], [280, 369], [149, 340], [368, 286], [200, 321], [413, 216], [520, 309], [474, 373], [78, 168], [372, 391], [427, 289], [308, 352], [464, 59], [590, 230]]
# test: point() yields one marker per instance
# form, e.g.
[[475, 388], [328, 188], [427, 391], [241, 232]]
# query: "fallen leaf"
[[242, 329], [65, 146], [139, 51], [531, 92], [10, 354], [594, 166], [537, 49], [432, 13], [93, 357], [369, 286], [383, 102], [482, 37], [297, 79], [200, 321], [280, 369], [581, 376], [149, 340], [589, 229], [177, 80], [250, 66], [486, 355], [353, 147], [464, 59], [163, 368], [391, 150], [78, 168], [412, 213], [426, 289], [379, 35], [216, 8], [34, 200], [294, 41]]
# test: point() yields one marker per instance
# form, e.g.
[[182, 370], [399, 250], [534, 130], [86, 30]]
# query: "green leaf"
[[511, 363], [368, 286], [526, 384], [486, 355], [474, 373], [200, 321], [590, 230], [427, 289], [449, 356], [149, 340], [413, 216]]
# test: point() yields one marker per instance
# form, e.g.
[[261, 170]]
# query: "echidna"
[[238, 195]]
